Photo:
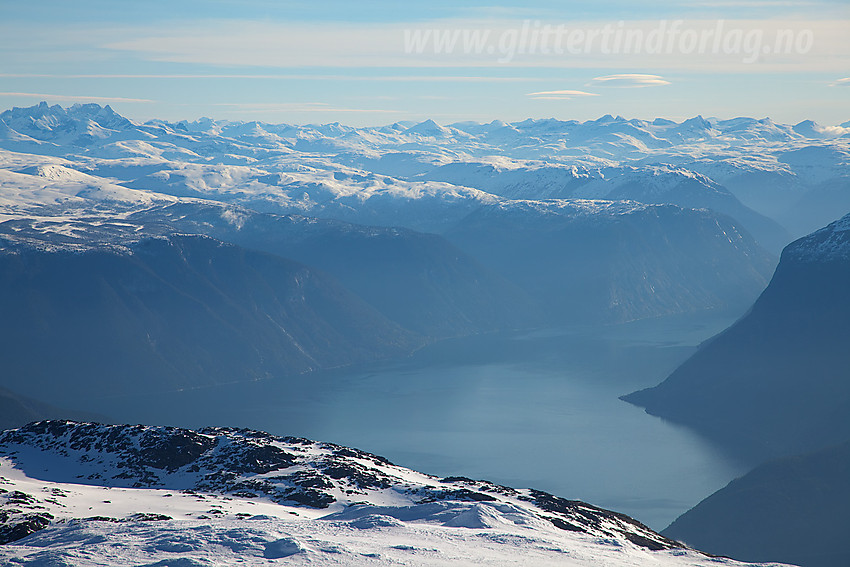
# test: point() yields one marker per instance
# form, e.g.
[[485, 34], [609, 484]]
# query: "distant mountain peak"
[[79, 124], [697, 122], [428, 127]]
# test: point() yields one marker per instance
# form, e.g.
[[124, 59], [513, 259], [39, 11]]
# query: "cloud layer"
[[629, 80], [559, 95]]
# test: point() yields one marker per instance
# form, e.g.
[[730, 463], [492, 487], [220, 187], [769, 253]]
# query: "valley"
[[470, 300]]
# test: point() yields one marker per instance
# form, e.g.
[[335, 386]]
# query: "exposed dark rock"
[[565, 525], [147, 517], [174, 451], [22, 526], [293, 471]]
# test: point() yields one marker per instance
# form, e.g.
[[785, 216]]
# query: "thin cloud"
[[75, 98], [562, 93], [845, 82], [559, 95], [629, 80]]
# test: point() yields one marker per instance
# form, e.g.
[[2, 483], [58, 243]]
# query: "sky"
[[374, 63]]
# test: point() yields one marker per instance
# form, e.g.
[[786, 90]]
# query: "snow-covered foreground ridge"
[[87, 494]]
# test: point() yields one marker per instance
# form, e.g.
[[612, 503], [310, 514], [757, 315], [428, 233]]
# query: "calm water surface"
[[524, 409]]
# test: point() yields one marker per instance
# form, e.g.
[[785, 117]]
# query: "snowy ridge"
[[829, 244], [426, 176], [210, 495], [289, 470], [571, 208]]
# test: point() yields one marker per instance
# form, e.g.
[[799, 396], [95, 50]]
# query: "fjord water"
[[536, 409]]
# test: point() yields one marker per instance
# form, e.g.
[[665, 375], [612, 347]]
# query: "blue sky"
[[366, 63]]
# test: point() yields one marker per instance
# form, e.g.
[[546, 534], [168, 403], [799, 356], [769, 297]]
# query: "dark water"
[[530, 409]]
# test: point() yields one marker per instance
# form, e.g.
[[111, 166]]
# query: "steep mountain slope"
[[176, 312], [418, 280], [792, 510], [776, 381], [616, 260], [177, 496]]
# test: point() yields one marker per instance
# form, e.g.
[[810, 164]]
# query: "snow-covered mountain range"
[[196, 253], [68, 174], [85, 494], [426, 176]]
